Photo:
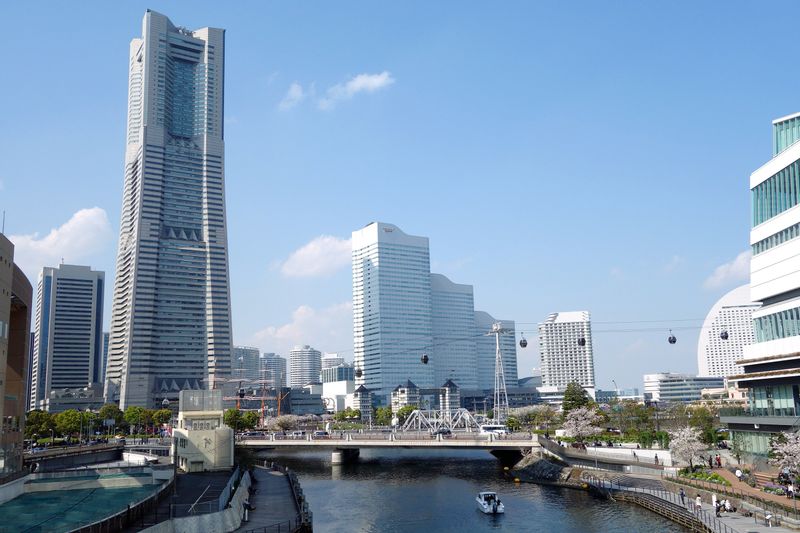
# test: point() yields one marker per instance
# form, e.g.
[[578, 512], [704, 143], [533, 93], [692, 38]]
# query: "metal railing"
[[706, 518], [287, 526], [774, 508]]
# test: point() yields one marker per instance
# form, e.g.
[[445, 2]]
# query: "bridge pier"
[[344, 455]]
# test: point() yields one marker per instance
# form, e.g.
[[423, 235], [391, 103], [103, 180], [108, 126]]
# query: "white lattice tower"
[[500, 392]]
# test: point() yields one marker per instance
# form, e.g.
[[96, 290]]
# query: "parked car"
[[298, 434], [444, 432], [321, 435]]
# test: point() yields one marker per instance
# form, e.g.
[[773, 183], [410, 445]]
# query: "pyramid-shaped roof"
[[449, 385], [407, 385], [361, 389]]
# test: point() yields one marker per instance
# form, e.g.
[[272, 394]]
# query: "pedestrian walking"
[[714, 500], [738, 474], [656, 459], [710, 461], [683, 497], [790, 490], [719, 461], [698, 503]]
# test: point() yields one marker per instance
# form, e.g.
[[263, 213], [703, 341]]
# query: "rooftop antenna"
[[4, 222]]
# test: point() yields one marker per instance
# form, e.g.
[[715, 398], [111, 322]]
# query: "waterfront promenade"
[[652, 487], [274, 503]]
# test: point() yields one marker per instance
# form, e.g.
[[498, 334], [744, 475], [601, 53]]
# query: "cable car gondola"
[[522, 342], [581, 341], [671, 339], [723, 335], [424, 359], [359, 372]]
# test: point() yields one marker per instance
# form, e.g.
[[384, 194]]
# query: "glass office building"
[[171, 321]]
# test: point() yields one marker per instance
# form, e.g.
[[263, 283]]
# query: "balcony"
[[781, 417]]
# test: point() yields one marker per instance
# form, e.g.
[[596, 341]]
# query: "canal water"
[[393, 491]]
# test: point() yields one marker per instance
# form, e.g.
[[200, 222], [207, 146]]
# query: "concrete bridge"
[[346, 446], [59, 458]]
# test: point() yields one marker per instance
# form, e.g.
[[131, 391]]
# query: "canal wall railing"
[[580, 457], [305, 517], [228, 519]]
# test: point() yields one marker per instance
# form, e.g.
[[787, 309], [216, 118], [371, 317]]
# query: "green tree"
[[233, 419], [575, 396], [404, 412], [250, 419], [39, 423], [704, 419], [383, 416], [162, 416], [68, 422], [135, 416], [513, 424], [111, 411]]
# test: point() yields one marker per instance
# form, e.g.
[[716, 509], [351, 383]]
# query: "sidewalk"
[[274, 504], [732, 522], [740, 486]]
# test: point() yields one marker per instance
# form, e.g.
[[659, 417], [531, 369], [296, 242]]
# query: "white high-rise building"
[[454, 351], [273, 368], [68, 345], [728, 328], [668, 387], [486, 346], [171, 319], [330, 360], [565, 347], [246, 362], [305, 365], [392, 326]]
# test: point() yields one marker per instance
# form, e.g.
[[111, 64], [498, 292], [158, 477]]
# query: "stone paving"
[[273, 501]]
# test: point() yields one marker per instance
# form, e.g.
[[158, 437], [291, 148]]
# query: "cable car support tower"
[[500, 392]]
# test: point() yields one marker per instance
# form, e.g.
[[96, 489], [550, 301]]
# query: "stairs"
[[763, 478]]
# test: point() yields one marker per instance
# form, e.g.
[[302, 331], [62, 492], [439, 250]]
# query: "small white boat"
[[489, 503]]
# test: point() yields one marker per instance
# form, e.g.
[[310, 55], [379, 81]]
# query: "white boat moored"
[[489, 503]]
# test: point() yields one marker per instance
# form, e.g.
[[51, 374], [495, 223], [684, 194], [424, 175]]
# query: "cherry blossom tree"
[[581, 422], [685, 444], [786, 451]]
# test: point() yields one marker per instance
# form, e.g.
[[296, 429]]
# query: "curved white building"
[[305, 364], [733, 313]]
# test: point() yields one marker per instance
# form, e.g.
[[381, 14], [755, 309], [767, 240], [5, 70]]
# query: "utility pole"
[[500, 392]]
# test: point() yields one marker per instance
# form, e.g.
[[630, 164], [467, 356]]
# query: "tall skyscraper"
[[106, 337], [68, 347], [171, 319], [455, 354], [728, 328], [16, 299], [392, 326], [486, 346], [402, 312], [565, 347], [305, 365], [330, 360], [246, 362], [273, 368]]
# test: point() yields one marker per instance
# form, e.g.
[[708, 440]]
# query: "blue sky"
[[560, 156]]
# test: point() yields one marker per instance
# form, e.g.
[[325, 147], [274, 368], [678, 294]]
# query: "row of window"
[[777, 194], [777, 325], [778, 238]]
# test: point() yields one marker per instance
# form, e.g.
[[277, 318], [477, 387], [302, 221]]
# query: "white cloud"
[[329, 329], [731, 272], [674, 263], [363, 83], [85, 234], [294, 96], [322, 256]]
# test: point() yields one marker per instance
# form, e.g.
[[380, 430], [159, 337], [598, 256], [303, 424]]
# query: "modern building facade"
[[668, 387], [68, 346], [405, 394], [16, 300], [106, 337], [410, 324], [455, 352], [337, 373], [565, 348], [330, 360], [727, 329], [305, 365], [392, 326], [171, 318], [771, 365], [246, 363], [486, 346], [273, 369]]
